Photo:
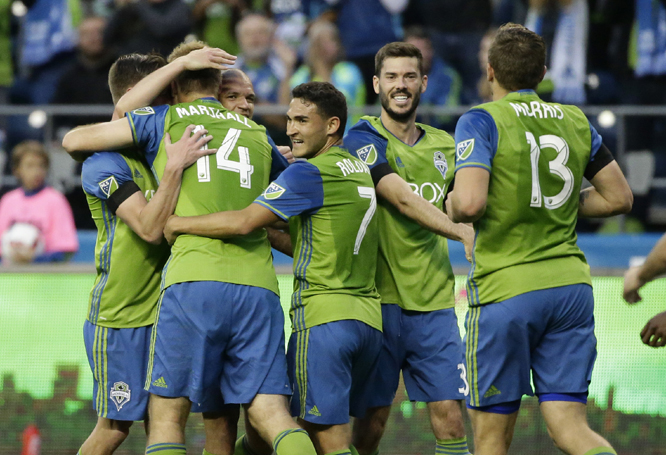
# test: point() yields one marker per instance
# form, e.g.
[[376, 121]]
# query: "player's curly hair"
[[129, 69], [395, 50], [201, 81], [329, 100], [518, 57]]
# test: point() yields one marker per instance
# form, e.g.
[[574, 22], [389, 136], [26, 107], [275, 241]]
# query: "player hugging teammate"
[[373, 285]]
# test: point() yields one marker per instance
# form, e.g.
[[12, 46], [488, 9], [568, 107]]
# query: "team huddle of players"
[[365, 215]]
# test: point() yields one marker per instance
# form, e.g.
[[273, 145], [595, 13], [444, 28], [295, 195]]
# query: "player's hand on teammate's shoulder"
[[191, 146], [632, 283], [285, 151], [169, 229], [208, 57], [654, 332]]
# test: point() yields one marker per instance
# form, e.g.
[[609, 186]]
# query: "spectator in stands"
[[444, 84], [216, 20], [324, 63], [85, 82], [264, 66], [145, 26], [46, 48], [37, 205], [365, 26], [456, 28]]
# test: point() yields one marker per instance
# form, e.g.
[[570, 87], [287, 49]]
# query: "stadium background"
[[44, 375]]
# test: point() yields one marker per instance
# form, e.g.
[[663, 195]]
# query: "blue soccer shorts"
[[427, 348], [214, 340], [549, 333], [118, 359], [329, 368]]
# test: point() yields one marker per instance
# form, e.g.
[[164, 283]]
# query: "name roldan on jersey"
[[349, 166], [211, 111], [538, 110]]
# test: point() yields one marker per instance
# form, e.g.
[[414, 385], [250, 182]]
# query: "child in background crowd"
[[36, 222]]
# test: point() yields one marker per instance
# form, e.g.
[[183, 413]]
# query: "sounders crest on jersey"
[[367, 154], [441, 164], [273, 191]]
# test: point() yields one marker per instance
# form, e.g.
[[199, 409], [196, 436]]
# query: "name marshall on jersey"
[[210, 111]]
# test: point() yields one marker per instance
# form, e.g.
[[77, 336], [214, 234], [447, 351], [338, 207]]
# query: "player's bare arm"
[[148, 218], [609, 195], [396, 191], [145, 91], [467, 202], [101, 136], [280, 240], [654, 332], [636, 277], [221, 225]]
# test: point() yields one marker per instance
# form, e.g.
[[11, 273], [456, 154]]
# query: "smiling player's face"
[[399, 86], [238, 96], [306, 128]]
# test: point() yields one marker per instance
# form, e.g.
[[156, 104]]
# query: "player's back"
[[526, 239], [335, 248], [228, 180], [127, 286]]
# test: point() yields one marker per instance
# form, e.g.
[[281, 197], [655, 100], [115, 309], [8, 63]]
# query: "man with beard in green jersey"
[[412, 168]]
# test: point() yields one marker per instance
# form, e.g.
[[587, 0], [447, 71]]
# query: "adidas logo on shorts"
[[492, 391], [314, 411], [160, 382]]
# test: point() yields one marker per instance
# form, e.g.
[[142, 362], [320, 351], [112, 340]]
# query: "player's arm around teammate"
[[654, 332]]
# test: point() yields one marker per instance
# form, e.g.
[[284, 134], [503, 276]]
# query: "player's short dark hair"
[[201, 81], [394, 50], [517, 56], [129, 69], [329, 100], [26, 148]]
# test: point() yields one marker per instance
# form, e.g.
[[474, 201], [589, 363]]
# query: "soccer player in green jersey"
[[520, 163], [412, 167], [329, 202], [129, 211], [209, 283]]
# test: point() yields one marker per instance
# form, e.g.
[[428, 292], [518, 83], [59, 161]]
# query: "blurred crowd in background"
[[601, 52]]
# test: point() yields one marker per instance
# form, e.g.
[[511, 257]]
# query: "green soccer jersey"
[[329, 202], [536, 154], [228, 180], [129, 269], [413, 268]]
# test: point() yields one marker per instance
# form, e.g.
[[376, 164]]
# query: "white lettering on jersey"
[[429, 191], [348, 166], [538, 110]]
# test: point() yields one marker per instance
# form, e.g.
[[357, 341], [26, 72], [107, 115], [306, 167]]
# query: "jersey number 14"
[[242, 166]]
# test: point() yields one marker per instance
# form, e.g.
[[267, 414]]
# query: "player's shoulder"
[[108, 161], [434, 132], [369, 126]]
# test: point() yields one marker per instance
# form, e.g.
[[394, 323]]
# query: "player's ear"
[[545, 68], [424, 83], [174, 90], [490, 73], [375, 84], [333, 126]]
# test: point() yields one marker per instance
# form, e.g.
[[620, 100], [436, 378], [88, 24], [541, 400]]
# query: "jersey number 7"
[[242, 166]]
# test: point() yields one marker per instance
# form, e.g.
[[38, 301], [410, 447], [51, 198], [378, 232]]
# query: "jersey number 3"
[[242, 166], [557, 167]]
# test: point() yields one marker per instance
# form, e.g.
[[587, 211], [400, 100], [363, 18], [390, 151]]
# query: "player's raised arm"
[[149, 88], [221, 225], [101, 136], [148, 218]]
